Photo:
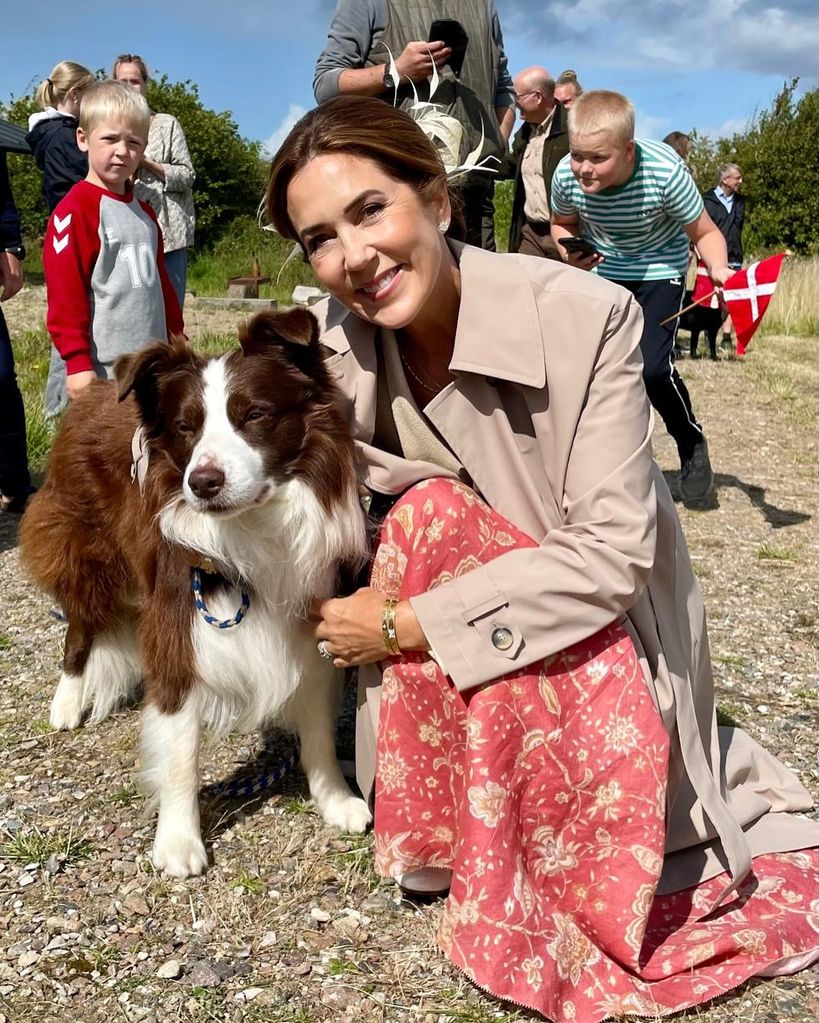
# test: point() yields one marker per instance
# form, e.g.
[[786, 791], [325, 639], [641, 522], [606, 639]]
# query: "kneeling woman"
[[535, 668]]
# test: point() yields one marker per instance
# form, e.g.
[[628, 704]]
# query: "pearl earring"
[[443, 226]]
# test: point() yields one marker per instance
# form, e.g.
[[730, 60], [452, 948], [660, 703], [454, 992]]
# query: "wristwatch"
[[16, 250], [389, 81]]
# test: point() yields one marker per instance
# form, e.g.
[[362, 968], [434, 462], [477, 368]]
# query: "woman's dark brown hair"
[[365, 127]]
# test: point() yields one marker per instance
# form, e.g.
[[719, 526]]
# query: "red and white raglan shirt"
[[108, 291]]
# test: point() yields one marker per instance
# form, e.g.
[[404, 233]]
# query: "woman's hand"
[[77, 383], [155, 168], [351, 627]]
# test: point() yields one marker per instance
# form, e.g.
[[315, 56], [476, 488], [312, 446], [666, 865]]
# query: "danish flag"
[[747, 295]]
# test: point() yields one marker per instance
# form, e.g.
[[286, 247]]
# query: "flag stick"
[[699, 301]]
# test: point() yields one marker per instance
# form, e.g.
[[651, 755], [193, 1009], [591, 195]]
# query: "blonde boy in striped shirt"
[[636, 203]]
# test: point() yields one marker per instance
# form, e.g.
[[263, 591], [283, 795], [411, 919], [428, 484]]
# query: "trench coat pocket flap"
[[501, 638]]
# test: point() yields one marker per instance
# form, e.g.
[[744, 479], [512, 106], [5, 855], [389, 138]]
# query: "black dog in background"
[[701, 319]]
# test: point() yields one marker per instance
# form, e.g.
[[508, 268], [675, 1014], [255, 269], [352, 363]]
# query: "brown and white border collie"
[[250, 478]]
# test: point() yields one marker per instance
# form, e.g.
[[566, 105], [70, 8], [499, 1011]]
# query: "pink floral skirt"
[[544, 791]]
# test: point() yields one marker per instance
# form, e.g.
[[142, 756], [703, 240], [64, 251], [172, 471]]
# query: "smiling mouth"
[[382, 284]]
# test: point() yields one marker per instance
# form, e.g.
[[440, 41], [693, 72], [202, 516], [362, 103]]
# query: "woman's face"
[[131, 74], [372, 241]]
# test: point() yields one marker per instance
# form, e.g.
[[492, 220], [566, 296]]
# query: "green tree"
[[230, 173], [779, 156]]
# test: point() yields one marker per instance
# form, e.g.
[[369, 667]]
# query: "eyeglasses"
[[129, 58], [532, 92]]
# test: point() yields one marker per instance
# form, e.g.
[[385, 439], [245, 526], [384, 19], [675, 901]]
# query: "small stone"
[[248, 994], [170, 970], [53, 864], [305, 294], [319, 915], [135, 904], [28, 959], [269, 939], [24, 880], [202, 974]]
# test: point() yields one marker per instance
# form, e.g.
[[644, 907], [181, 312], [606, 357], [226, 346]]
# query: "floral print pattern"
[[544, 791]]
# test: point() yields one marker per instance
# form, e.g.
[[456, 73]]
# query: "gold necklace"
[[432, 388]]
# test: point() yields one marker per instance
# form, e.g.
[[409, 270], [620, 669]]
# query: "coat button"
[[502, 638]]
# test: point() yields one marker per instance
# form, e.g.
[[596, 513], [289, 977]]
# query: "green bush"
[[778, 154]]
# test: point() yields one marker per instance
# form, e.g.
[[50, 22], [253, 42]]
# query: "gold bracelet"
[[388, 626]]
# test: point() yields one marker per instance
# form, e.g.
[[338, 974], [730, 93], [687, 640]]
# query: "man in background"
[[475, 88], [538, 147], [726, 207]]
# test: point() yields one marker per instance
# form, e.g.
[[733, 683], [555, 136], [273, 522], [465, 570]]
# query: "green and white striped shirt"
[[638, 226]]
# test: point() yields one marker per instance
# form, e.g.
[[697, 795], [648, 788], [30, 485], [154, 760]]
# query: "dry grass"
[[793, 309]]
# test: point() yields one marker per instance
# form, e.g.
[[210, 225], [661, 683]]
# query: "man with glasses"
[[538, 148]]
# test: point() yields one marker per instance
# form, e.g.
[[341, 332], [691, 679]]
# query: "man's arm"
[[504, 88], [11, 267], [710, 244], [506, 121]]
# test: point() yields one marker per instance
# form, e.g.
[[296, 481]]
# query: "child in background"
[[639, 207], [108, 291], [52, 131]]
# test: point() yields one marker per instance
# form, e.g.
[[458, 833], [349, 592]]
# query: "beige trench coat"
[[549, 417]]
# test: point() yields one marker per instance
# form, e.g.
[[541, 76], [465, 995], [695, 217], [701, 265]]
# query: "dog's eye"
[[254, 415], [183, 426]]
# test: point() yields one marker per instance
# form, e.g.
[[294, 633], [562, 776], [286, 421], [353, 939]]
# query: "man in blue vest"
[[475, 86]]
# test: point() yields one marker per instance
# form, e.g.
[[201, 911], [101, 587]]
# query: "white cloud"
[[648, 126], [747, 35], [294, 112]]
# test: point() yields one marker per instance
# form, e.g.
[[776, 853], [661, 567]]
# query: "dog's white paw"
[[180, 854], [66, 706], [349, 813]]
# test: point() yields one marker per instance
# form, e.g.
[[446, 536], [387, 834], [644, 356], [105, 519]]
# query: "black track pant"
[[664, 385]]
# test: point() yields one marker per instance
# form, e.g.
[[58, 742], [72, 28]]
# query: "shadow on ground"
[[778, 518]]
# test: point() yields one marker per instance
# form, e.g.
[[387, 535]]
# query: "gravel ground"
[[290, 924]]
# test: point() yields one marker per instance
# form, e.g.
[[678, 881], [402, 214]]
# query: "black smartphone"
[[451, 32], [581, 245]]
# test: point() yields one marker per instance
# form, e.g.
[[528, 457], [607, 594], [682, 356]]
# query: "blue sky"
[[684, 64]]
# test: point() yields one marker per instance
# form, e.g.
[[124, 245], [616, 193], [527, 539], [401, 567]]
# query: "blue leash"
[[241, 787]]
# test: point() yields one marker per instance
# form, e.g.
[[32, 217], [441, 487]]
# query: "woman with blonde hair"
[[535, 689], [52, 132], [165, 176]]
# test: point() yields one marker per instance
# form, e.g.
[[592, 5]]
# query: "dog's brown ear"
[[138, 368], [140, 373], [292, 333], [296, 326]]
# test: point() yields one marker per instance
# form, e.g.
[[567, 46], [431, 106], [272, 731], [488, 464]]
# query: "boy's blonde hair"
[[109, 100], [601, 110], [64, 77]]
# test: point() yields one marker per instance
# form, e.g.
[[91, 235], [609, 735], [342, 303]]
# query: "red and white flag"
[[704, 288], [747, 295]]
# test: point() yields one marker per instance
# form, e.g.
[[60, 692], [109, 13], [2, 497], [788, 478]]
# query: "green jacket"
[[555, 148]]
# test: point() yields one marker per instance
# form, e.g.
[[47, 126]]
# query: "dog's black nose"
[[206, 481]]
